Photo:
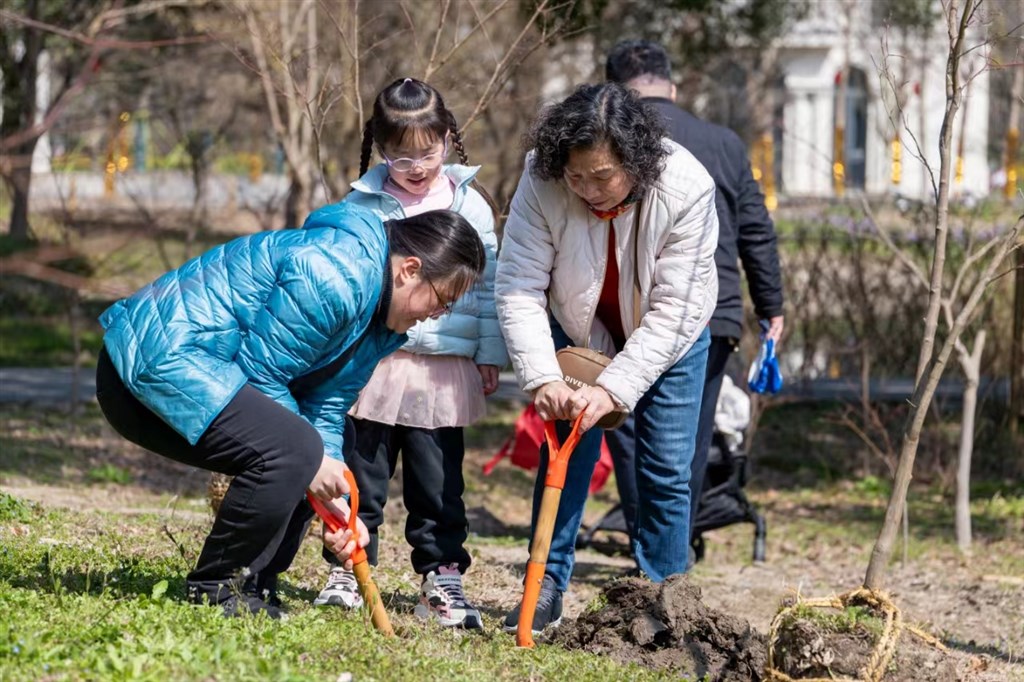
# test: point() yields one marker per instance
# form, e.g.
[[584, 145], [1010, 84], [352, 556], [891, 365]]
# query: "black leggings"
[[273, 455], [432, 487]]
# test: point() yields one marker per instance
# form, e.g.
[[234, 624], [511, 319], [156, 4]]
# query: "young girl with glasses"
[[418, 400]]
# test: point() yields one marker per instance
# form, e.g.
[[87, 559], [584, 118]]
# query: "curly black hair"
[[594, 114]]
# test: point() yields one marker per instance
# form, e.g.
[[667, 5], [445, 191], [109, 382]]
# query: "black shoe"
[[548, 613], [266, 589], [245, 604]]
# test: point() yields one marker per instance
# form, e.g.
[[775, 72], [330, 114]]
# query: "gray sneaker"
[[341, 590], [548, 613]]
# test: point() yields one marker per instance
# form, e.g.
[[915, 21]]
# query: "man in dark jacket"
[[745, 234]]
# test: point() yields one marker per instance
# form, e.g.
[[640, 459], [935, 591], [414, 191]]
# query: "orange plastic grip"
[[336, 523], [558, 456]]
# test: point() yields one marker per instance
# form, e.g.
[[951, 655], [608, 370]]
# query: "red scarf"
[[612, 213]]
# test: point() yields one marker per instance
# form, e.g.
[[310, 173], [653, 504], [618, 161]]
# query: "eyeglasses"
[[428, 162], [442, 307]]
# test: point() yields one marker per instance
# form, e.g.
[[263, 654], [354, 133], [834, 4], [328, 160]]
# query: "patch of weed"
[[851, 619], [109, 473], [15, 509]]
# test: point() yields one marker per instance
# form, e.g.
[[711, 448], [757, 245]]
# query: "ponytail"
[[367, 149], [460, 149]]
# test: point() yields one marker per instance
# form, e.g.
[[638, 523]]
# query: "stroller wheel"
[[697, 544]]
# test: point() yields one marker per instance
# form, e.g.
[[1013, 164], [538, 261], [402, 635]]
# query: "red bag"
[[524, 447]]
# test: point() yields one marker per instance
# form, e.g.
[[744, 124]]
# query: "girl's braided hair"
[[407, 104]]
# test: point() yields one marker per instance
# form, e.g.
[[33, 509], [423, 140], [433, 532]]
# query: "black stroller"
[[722, 502]]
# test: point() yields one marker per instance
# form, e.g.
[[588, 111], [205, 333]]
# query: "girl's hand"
[[342, 544], [489, 374], [329, 482], [552, 401], [594, 402]]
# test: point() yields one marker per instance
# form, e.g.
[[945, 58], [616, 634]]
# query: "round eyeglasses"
[[405, 164], [442, 307]]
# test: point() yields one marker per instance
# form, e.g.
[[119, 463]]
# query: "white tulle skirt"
[[425, 391]]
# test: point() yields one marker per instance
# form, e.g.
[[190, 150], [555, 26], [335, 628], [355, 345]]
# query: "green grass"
[[52, 446], [98, 596], [109, 473], [45, 341], [851, 619]]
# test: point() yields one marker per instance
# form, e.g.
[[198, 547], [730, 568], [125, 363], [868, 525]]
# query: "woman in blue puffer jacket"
[[246, 360], [419, 399]]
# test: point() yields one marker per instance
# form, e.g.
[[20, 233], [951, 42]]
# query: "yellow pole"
[[896, 175], [771, 201], [839, 165], [117, 158], [755, 162], [1012, 145]]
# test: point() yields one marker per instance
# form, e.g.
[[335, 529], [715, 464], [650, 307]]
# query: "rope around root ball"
[[884, 649]]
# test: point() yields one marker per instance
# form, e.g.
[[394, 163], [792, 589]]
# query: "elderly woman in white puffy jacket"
[[610, 244]]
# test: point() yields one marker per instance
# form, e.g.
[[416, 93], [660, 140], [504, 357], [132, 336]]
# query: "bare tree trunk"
[[1017, 351], [920, 402], [1017, 343], [20, 112], [20, 183], [299, 200], [930, 367], [971, 364], [292, 126]]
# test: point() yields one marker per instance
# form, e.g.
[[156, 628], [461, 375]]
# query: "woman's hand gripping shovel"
[[360, 565], [554, 481]]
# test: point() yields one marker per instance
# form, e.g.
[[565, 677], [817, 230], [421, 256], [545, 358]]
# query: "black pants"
[[273, 455], [432, 485], [621, 442]]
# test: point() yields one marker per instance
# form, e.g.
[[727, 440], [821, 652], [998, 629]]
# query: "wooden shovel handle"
[[540, 546]]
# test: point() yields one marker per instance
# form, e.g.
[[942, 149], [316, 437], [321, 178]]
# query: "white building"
[[812, 59]]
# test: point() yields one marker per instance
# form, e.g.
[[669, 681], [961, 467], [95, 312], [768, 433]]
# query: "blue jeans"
[[666, 420], [622, 444]]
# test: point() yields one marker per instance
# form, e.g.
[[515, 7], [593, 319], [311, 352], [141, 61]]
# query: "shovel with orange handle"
[[360, 565], [554, 481]]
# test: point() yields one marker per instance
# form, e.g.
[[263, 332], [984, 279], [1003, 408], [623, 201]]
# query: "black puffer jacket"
[[745, 230]]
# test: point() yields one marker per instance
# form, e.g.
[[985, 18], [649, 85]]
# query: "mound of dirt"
[[667, 626], [808, 648]]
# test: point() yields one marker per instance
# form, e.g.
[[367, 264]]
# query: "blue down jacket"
[[263, 309], [472, 329]]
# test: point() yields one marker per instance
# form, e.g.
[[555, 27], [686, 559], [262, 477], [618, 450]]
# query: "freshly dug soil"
[[667, 626]]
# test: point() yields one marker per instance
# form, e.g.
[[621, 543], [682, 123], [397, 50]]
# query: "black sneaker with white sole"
[[548, 613], [247, 604]]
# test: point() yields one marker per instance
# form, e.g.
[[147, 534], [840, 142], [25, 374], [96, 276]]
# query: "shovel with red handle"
[[360, 565], [554, 481]]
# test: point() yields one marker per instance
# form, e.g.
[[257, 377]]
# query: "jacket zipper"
[[604, 275]]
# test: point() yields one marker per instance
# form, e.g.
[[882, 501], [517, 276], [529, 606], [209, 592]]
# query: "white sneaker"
[[442, 598], [341, 590]]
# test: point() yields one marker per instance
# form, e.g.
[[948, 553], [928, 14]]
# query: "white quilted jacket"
[[554, 253]]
